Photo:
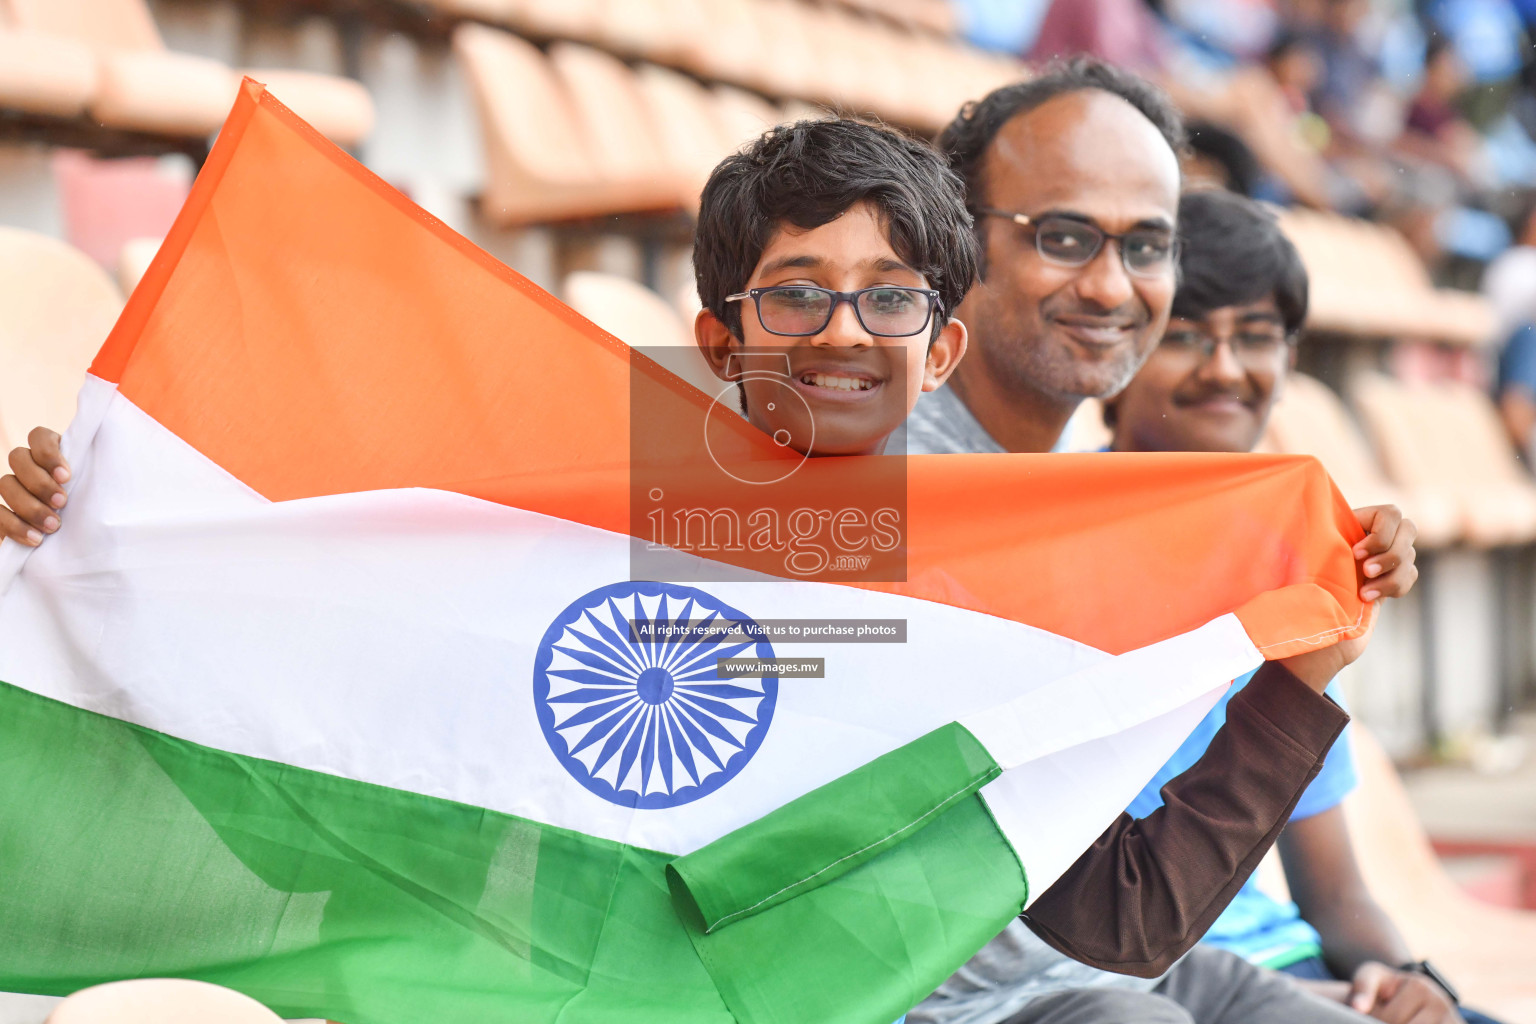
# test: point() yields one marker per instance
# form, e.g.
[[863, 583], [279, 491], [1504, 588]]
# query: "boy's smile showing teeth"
[[837, 383], [823, 377]]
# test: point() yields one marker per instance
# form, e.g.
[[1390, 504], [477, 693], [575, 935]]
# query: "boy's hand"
[[33, 489], [1317, 668], [1385, 557], [1400, 997], [1385, 560]]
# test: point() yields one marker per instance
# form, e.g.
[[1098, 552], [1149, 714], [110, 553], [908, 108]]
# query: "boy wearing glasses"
[[843, 283]]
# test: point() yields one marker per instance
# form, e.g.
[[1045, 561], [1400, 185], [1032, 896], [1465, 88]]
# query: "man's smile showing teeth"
[[836, 383]]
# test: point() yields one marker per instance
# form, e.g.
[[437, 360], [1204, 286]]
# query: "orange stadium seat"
[[42, 73], [1311, 420], [641, 319], [160, 1001], [1367, 280], [558, 19], [684, 117], [1486, 949], [1446, 437], [133, 260], [539, 167], [615, 119], [59, 307], [743, 116], [142, 86], [657, 30], [495, 11], [727, 47]]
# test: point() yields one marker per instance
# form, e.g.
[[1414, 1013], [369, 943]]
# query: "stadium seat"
[[641, 319], [339, 108], [493, 11], [42, 73], [538, 165], [684, 117], [133, 260], [59, 307], [1446, 437], [558, 19], [1366, 280], [730, 46], [1485, 949], [160, 1001], [657, 30], [743, 116], [1311, 420], [616, 121], [142, 86]]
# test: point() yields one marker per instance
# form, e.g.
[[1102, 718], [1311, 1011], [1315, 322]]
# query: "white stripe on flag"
[[390, 637]]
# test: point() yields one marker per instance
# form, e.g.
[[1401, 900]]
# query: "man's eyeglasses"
[[1068, 242], [1255, 347], [800, 310]]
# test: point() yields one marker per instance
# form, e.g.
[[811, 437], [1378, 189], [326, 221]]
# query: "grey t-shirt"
[[940, 424], [1017, 966]]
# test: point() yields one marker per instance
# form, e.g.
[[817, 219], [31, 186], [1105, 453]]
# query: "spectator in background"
[[1434, 130], [1210, 386], [1510, 285], [1217, 158]]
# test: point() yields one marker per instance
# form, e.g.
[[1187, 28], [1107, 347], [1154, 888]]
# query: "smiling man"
[[1074, 184]]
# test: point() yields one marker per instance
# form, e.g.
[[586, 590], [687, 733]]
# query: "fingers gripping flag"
[[330, 690]]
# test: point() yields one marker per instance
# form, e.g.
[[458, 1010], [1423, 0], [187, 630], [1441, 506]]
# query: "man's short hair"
[[967, 138], [809, 173], [1233, 253]]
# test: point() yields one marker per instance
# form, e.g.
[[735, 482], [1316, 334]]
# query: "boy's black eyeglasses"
[[800, 310], [1069, 242]]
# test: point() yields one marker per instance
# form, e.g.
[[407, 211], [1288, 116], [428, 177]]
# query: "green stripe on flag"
[[127, 853], [829, 908], [828, 832]]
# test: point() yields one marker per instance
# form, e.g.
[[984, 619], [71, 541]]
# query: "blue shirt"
[[1255, 926]]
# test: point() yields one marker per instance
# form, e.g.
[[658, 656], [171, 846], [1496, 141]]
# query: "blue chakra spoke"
[[589, 678], [592, 712], [645, 647], [698, 632], [680, 744], [698, 739], [663, 746], [615, 738], [588, 694], [648, 749], [625, 654], [631, 750], [707, 658], [658, 643], [717, 708], [710, 725], [603, 662], [723, 691], [601, 729], [683, 617]]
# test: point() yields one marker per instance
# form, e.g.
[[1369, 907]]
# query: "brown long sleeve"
[[1148, 889]]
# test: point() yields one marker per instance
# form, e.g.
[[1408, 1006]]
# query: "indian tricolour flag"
[[331, 689]]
